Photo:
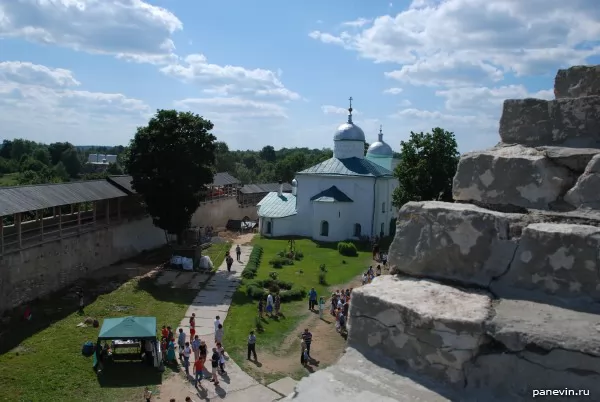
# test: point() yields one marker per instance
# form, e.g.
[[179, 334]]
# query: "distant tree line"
[[25, 162]]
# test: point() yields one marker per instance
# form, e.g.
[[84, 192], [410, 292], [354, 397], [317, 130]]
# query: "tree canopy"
[[427, 166], [171, 161]]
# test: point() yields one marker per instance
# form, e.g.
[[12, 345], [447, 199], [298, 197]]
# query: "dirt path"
[[327, 346]]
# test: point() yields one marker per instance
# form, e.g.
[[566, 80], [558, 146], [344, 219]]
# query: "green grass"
[[47, 364], [216, 252], [8, 179], [241, 317]]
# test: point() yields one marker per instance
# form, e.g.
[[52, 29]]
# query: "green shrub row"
[[347, 249], [287, 291], [279, 262], [253, 263]]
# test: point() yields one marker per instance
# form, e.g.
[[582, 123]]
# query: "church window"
[[268, 227], [324, 228], [381, 232], [383, 207], [357, 230]]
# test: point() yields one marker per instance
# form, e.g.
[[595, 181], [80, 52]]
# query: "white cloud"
[[404, 103], [393, 91], [357, 23], [229, 80], [233, 108], [437, 41], [37, 102], [330, 109], [130, 29], [486, 99]]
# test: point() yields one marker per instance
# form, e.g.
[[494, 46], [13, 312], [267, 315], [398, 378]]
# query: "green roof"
[[276, 206], [348, 167], [332, 194], [128, 328]]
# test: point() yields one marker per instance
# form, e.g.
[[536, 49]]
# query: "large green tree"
[[171, 162], [427, 166]]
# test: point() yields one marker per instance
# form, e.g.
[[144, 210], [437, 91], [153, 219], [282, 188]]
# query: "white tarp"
[[205, 262]]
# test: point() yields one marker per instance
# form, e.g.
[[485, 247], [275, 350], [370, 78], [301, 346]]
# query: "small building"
[[223, 185], [345, 197], [251, 194]]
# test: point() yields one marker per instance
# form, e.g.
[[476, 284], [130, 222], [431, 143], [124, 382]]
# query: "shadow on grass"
[[57, 305], [165, 293], [129, 374]]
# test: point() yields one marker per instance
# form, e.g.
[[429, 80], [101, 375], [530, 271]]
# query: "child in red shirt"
[[192, 332], [199, 370]]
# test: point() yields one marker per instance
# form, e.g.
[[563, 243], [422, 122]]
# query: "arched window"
[[383, 207], [357, 230], [268, 228], [381, 233], [324, 228], [393, 227]]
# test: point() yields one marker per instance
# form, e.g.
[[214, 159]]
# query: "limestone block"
[[432, 328], [547, 347], [555, 259], [460, 242], [574, 159], [511, 175], [586, 192], [577, 81], [571, 122]]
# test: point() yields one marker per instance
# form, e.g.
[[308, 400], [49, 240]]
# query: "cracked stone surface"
[[577, 81], [459, 242], [488, 177], [555, 259], [585, 193], [574, 159], [434, 328], [570, 122]]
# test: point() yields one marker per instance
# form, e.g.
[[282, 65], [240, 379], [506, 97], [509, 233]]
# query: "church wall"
[[384, 214], [359, 189], [279, 226], [339, 217]]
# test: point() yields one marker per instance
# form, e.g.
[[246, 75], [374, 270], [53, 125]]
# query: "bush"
[[322, 268], [322, 278], [287, 291], [258, 324], [273, 275], [347, 249], [255, 292], [279, 262], [253, 263], [299, 255], [293, 294]]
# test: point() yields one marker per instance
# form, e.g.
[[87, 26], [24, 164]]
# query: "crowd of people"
[[186, 347]]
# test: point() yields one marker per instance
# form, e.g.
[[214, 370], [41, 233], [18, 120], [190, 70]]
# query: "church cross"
[[350, 99]]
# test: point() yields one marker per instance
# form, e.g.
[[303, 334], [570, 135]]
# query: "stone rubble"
[[496, 295]]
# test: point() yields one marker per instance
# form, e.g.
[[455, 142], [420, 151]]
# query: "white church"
[[346, 197]]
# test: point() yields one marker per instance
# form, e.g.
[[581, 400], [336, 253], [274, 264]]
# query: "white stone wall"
[[279, 226]]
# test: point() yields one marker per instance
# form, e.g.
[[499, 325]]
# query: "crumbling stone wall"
[[501, 290]]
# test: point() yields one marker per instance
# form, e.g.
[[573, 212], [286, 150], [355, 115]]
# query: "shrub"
[[322, 268], [253, 263], [347, 249], [287, 291], [255, 292], [293, 294], [299, 255], [258, 324], [279, 262], [273, 275], [322, 279]]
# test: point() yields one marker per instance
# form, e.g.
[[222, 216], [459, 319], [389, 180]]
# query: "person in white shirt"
[[270, 304], [187, 351], [217, 323]]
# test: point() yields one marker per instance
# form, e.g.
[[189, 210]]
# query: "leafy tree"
[[427, 166], [61, 172], [29, 163], [268, 154], [56, 150], [6, 149], [171, 162], [70, 159], [114, 169], [41, 154]]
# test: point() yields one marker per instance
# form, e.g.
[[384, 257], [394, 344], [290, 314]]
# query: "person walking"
[[252, 345], [196, 347], [312, 299], [187, 351], [199, 371], [219, 334], [229, 261], [238, 252], [270, 304], [181, 343], [214, 363], [217, 322], [307, 338]]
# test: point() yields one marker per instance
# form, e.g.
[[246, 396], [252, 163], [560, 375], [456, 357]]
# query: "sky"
[[280, 73]]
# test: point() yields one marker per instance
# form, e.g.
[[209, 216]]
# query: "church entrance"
[[393, 227], [324, 228], [357, 230], [268, 231]]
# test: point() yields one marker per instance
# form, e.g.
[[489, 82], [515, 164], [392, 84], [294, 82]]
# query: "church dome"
[[349, 131], [380, 148]]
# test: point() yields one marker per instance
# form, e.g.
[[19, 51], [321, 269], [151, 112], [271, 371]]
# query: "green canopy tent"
[[128, 328]]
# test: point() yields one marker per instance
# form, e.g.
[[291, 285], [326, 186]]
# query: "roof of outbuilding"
[[265, 188], [348, 167], [123, 182], [275, 206], [332, 194], [19, 199], [224, 179]]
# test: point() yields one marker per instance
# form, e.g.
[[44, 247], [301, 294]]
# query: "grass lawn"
[[44, 360], [241, 317], [8, 179], [216, 252]]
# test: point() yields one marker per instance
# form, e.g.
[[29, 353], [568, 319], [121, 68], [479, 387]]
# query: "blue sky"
[[280, 72]]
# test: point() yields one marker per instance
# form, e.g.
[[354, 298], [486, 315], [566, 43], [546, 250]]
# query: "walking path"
[[214, 300]]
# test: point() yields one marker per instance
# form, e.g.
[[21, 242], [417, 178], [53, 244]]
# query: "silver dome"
[[380, 149], [294, 183], [349, 132]]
